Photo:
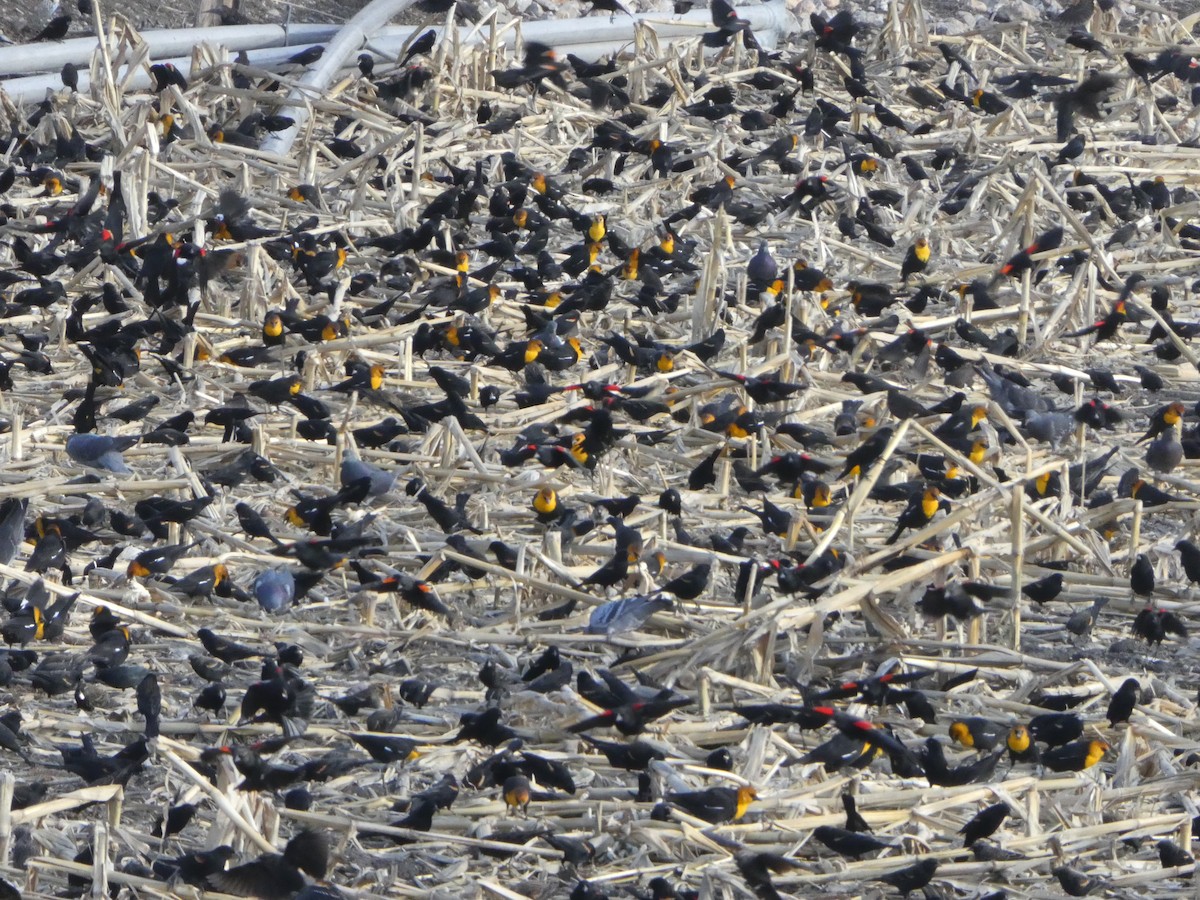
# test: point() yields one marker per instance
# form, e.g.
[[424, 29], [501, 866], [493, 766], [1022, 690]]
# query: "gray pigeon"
[[12, 527], [619, 616], [274, 589], [354, 470], [101, 451]]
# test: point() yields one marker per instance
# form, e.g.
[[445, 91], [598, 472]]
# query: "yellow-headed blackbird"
[[111, 648], [916, 259], [976, 733], [156, 560], [922, 507], [715, 804], [202, 582], [1075, 756], [1021, 747], [516, 793], [545, 505], [24, 627], [866, 453], [1162, 419], [1150, 495]]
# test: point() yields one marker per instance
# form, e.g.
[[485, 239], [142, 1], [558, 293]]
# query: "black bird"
[[756, 868], [1141, 576], [56, 29], [854, 820], [911, 878], [149, 704], [1044, 589], [848, 843], [1075, 882], [1189, 556], [985, 823], [1171, 855], [278, 876], [1120, 707]]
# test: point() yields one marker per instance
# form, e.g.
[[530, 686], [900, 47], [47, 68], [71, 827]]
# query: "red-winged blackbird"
[[632, 715], [419, 593], [690, 584], [1044, 589], [1154, 625], [225, 649], [484, 727], [1055, 729], [1049, 240], [1105, 328], [1171, 855], [1074, 882]]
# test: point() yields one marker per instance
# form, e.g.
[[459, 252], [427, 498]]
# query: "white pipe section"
[[350, 39], [603, 36], [33, 88], [164, 44], [590, 38]]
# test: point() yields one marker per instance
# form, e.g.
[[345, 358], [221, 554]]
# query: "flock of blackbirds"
[[552, 344]]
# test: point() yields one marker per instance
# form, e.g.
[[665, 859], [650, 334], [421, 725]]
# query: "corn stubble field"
[[718, 471]]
